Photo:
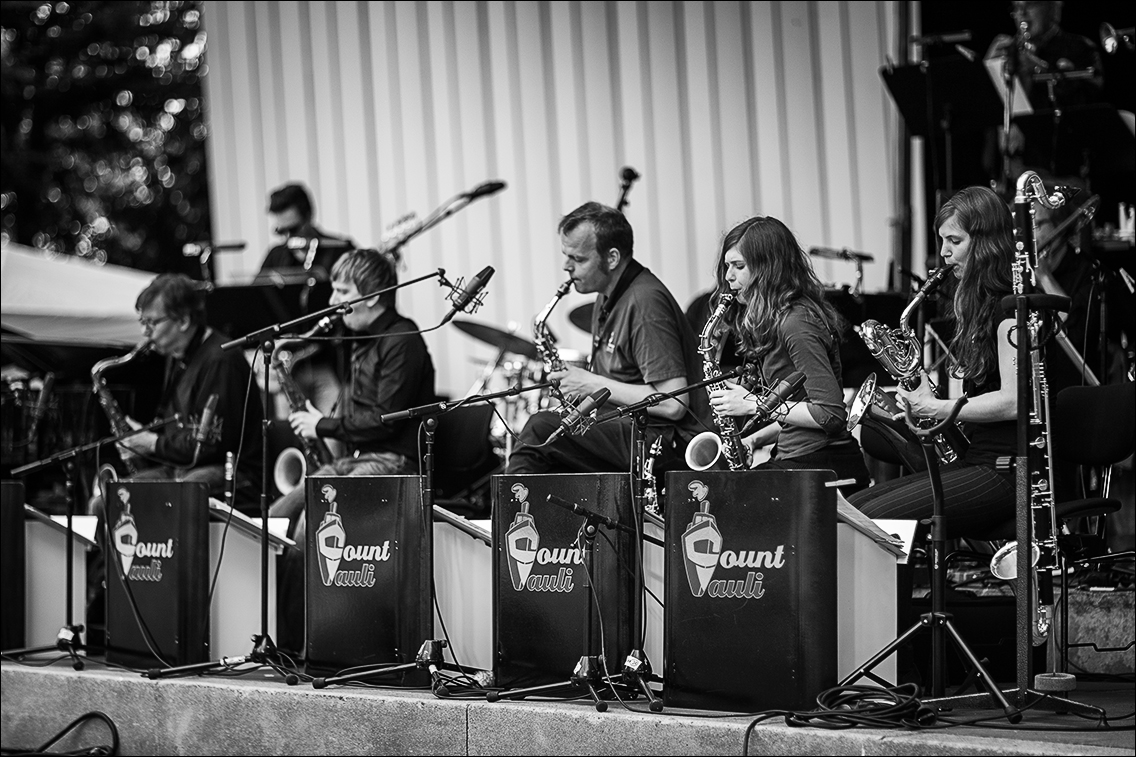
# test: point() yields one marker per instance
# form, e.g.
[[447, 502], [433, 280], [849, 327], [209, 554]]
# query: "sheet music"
[[277, 527], [846, 513], [1021, 104]]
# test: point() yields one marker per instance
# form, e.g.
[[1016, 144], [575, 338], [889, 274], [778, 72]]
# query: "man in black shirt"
[[171, 311], [391, 370], [305, 245]]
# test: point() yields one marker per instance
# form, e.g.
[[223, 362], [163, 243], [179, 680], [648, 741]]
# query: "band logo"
[[703, 554], [523, 550], [332, 549], [124, 536]]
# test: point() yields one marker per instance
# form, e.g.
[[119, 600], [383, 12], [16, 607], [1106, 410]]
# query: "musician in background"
[[641, 344], [783, 324], [291, 214], [1041, 46], [977, 232], [391, 370], [171, 311]]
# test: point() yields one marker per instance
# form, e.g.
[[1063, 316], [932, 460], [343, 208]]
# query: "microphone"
[[196, 249], [201, 434], [41, 406], [469, 295], [949, 38], [628, 174], [572, 421], [769, 401], [484, 189]]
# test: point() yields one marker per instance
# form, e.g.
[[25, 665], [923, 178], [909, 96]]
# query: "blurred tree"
[[102, 130]]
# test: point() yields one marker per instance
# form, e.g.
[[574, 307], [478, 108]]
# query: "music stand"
[[1086, 139], [950, 93]]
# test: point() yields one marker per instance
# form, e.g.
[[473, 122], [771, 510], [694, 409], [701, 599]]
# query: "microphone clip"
[[458, 293]]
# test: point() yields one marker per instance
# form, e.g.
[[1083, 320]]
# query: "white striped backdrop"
[[727, 109]]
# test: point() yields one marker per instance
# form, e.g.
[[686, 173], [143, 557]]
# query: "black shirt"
[[387, 374], [206, 369]]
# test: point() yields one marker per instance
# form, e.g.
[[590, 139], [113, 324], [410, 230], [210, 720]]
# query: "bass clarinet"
[[1039, 440]]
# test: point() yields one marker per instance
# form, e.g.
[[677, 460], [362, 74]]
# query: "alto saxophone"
[[705, 449], [901, 353], [114, 414], [1038, 460], [288, 470], [546, 344]]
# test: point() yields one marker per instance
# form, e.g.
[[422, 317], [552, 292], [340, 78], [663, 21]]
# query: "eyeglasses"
[[149, 324]]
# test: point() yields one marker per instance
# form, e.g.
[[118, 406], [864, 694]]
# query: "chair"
[[464, 459]]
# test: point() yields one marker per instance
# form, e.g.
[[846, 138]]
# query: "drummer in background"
[[642, 344]]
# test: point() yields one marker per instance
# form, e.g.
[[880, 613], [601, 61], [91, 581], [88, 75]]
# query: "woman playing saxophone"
[[976, 229], [784, 324]]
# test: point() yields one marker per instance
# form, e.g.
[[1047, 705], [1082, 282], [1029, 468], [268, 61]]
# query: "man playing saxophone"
[[641, 344], [391, 370], [171, 312]]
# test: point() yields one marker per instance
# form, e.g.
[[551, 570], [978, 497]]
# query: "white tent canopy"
[[68, 300]]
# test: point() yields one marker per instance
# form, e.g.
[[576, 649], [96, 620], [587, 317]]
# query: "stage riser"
[[212, 716]]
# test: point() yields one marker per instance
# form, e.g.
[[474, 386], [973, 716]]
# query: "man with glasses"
[[171, 312], [311, 252], [305, 246]]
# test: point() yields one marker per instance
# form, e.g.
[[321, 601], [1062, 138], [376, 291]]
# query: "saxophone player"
[[641, 344], [976, 229], [783, 324], [391, 370]]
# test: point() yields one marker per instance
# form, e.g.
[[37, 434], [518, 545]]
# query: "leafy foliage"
[[103, 131]]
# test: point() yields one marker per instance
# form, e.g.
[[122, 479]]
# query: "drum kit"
[[517, 363]]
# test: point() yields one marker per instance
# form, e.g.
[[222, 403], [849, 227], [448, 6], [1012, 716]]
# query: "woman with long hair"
[[976, 229], [783, 324]]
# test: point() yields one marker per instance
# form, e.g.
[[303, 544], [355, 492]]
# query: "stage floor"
[[258, 713]]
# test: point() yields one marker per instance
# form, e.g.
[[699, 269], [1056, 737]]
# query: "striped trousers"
[[975, 498]]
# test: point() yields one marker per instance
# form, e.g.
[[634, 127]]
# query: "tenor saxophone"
[[900, 352], [114, 414], [707, 448], [291, 467]]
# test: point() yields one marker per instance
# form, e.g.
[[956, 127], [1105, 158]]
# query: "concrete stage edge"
[[258, 714]]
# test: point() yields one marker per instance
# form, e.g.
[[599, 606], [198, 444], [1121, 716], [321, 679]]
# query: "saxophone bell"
[[704, 452]]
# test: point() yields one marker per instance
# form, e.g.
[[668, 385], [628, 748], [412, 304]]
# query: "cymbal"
[[494, 336], [581, 316]]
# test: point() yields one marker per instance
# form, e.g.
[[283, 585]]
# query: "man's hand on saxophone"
[[304, 421], [141, 445]]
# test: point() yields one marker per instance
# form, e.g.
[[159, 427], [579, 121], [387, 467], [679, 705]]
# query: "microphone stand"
[[430, 653], [69, 638], [264, 649]]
